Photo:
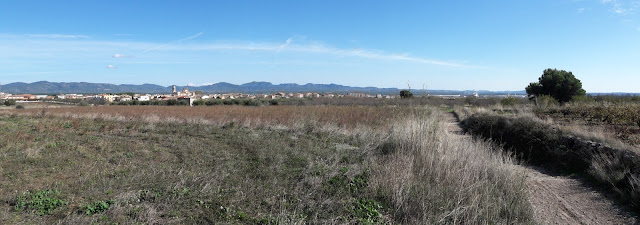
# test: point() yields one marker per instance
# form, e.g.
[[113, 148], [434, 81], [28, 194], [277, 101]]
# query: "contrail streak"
[[174, 42]]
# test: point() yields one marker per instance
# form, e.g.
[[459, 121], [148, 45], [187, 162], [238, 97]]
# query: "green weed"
[[97, 207], [42, 202], [367, 211]]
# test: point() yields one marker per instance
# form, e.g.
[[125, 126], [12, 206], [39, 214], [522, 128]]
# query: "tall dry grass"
[[430, 177], [303, 173], [347, 117]]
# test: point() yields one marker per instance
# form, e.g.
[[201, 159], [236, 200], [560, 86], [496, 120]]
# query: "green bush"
[[545, 101], [406, 94], [199, 102], [583, 98], [97, 207], [10, 102], [41, 202], [368, 211], [560, 84], [214, 102], [172, 102], [19, 107], [509, 101]]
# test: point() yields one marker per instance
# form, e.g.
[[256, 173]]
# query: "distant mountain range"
[[45, 87]]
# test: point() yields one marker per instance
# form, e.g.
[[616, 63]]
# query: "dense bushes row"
[[202, 102], [245, 102], [613, 114], [534, 141], [544, 145]]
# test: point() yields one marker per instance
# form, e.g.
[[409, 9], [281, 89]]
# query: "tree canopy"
[[559, 84], [406, 94]]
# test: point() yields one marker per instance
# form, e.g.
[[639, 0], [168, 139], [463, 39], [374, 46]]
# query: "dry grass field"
[[348, 117], [250, 165]]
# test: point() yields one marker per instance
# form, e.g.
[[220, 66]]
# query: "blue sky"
[[458, 45]]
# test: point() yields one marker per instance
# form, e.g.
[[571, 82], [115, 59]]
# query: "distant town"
[[187, 96]]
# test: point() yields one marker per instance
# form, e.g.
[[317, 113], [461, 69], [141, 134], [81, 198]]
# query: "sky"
[[452, 45]]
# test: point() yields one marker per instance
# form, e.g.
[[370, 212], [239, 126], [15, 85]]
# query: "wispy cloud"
[[315, 48], [622, 7], [174, 42], [286, 43], [122, 56], [111, 67], [39, 72], [159, 62], [176, 51], [62, 36]]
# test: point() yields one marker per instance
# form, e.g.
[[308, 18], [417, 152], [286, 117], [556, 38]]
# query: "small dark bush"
[[19, 107], [172, 102], [199, 102], [509, 101], [10, 102]]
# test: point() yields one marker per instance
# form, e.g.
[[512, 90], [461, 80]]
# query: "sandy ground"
[[565, 200]]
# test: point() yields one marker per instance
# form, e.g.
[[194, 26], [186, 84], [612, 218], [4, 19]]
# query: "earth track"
[[557, 199]]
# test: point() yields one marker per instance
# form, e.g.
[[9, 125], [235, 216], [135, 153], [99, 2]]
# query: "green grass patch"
[[97, 207], [41, 202]]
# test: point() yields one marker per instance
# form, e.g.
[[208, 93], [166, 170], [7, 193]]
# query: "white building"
[[143, 98]]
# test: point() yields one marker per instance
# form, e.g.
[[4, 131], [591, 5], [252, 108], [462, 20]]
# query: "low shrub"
[[41, 202], [509, 101], [9, 102], [97, 207], [544, 145]]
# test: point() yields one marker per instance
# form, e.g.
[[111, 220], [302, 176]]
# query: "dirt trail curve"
[[562, 199]]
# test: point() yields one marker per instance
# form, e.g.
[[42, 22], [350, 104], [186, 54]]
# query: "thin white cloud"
[[581, 10], [316, 48], [152, 62], [43, 49], [622, 7], [122, 56], [111, 67], [39, 73], [61, 36], [174, 42], [286, 43]]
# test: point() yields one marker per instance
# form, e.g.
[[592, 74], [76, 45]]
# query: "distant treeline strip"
[[544, 145], [201, 102]]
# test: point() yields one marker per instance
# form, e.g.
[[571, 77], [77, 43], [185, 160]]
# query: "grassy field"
[[250, 165]]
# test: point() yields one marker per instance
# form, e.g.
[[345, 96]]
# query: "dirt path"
[[562, 199]]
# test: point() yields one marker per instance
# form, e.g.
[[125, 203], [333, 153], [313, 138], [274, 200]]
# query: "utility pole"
[[424, 90]]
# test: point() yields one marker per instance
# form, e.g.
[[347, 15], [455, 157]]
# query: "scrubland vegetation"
[[317, 162], [593, 138], [250, 165]]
